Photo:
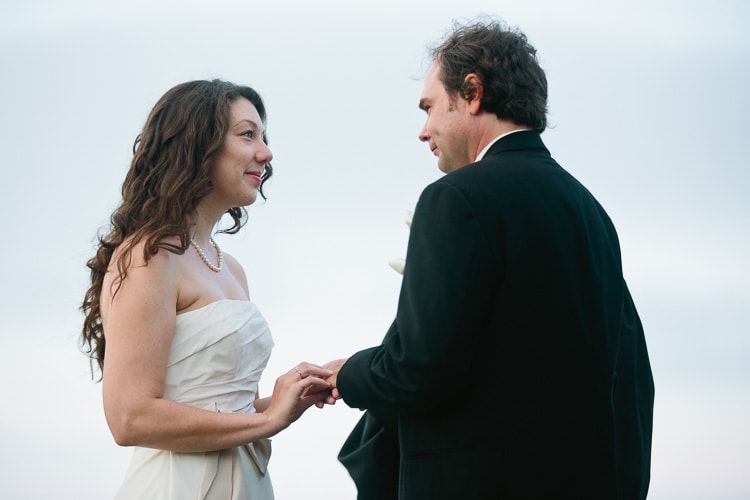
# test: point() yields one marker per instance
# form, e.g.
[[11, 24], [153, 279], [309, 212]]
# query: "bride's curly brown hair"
[[168, 177]]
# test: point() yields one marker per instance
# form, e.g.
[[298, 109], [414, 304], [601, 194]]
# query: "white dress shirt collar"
[[488, 146]]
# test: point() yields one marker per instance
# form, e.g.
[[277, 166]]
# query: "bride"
[[169, 319]]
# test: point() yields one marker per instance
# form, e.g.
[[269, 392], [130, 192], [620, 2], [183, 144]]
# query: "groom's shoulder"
[[458, 187]]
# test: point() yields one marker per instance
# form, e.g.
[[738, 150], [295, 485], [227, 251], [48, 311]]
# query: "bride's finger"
[[305, 370], [316, 388], [312, 385]]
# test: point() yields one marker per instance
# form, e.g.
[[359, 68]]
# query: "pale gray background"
[[648, 106]]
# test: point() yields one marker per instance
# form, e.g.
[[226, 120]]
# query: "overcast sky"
[[649, 109]]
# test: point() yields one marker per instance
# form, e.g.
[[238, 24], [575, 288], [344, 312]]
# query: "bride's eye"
[[249, 134]]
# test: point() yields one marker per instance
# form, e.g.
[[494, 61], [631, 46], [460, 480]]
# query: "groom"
[[516, 366]]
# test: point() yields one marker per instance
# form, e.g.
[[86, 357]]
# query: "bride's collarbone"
[[197, 288]]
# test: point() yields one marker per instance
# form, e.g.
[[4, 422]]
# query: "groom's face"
[[446, 127]]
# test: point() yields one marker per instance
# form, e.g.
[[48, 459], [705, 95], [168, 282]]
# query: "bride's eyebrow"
[[252, 125]]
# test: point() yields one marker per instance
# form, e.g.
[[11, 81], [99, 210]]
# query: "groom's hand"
[[334, 366]]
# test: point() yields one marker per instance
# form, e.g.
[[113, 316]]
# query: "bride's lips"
[[256, 176]]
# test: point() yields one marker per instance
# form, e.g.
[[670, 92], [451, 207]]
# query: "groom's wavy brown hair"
[[168, 177], [514, 84]]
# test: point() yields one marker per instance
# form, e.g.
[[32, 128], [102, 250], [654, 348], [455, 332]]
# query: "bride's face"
[[237, 170]]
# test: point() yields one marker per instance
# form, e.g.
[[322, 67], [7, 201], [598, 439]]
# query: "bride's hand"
[[295, 391]]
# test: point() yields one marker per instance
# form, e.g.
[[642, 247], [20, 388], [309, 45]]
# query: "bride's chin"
[[251, 200]]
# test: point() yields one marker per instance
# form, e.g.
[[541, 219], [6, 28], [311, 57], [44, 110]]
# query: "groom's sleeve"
[[446, 295]]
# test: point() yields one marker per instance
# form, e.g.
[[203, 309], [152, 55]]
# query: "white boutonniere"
[[399, 264]]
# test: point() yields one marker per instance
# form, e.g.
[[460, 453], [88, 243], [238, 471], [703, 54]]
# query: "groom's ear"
[[472, 91]]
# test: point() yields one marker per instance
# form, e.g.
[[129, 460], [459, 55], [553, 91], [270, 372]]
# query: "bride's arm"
[[139, 323]]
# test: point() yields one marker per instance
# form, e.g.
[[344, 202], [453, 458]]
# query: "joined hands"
[[324, 395], [297, 390]]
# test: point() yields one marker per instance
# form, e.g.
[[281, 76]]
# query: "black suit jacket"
[[516, 366]]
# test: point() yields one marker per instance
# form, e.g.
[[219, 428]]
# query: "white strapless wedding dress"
[[217, 356]]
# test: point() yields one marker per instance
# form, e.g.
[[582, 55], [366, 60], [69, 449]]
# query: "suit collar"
[[524, 139]]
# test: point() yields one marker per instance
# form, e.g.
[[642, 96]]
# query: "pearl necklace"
[[203, 257]]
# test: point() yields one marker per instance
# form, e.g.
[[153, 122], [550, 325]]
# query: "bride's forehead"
[[242, 112], [241, 107]]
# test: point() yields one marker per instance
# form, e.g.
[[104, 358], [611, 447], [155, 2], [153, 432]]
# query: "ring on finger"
[[296, 368]]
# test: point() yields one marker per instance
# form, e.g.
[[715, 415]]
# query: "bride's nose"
[[264, 154]]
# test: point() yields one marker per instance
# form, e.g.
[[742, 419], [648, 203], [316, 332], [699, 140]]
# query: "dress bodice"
[[217, 356]]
